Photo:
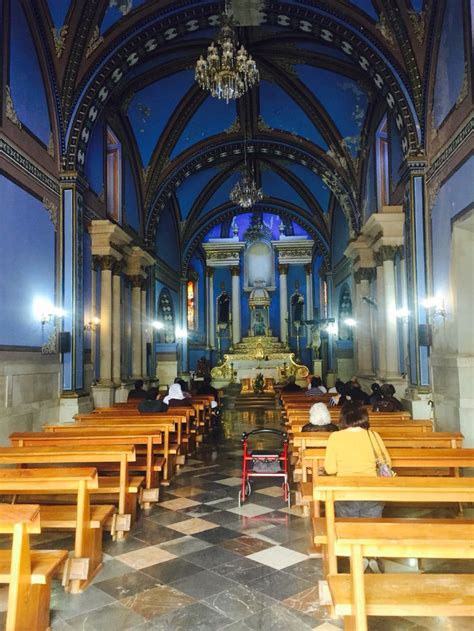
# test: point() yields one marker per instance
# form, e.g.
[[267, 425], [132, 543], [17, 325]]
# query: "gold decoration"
[[418, 21], [94, 42], [262, 125], [51, 346], [234, 127], [145, 173], [52, 210], [383, 26], [59, 37], [51, 151], [464, 87], [10, 108]]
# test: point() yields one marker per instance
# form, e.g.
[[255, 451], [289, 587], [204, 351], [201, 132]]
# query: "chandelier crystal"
[[227, 73], [246, 193]]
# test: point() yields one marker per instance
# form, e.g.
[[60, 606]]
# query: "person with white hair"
[[319, 420]]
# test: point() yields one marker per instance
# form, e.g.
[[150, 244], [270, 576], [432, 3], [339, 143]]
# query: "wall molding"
[[24, 163], [444, 156]]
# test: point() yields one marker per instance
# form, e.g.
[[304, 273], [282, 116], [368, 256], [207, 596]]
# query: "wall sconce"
[[402, 314], [332, 328], [46, 312], [350, 322], [92, 324], [156, 324], [436, 306], [181, 334]]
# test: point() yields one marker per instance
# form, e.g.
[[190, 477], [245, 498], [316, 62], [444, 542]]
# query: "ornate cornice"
[[20, 160], [464, 135]]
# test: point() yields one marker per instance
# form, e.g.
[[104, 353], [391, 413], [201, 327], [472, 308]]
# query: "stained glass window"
[[191, 304]]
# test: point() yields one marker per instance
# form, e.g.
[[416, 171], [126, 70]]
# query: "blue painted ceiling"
[[116, 10], [58, 10], [368, 7]]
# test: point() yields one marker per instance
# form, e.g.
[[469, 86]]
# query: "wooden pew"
[[404, 461], [87, 521], [120, 456], [357, 595], [146, 439], [408, 427], [126, 427], [330, 489], [27, 572]]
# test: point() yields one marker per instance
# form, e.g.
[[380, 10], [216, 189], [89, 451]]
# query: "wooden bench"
[[330, 489], [147, 441], [357, 595], [119, 456], [170, 448], [27, 572], [87, 521]]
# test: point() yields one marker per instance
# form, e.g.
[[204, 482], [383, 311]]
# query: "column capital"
[[117, 268], [363, 273], [209, 272], [106, 263], [136, 280], [283, 268], [235, 270], [308, 268], [388, 252], [378, 258]]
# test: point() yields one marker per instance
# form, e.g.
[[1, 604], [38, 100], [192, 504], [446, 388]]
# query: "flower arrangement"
[[259, 383]]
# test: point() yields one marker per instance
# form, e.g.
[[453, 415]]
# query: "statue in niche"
[[223, 307], [258, 323], [297, 304], [345, 312]]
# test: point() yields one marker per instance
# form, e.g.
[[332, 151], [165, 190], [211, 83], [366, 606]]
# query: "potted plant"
[[259, 383]]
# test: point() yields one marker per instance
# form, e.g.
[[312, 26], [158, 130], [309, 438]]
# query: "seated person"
[[184, 387], [319, 420], [341, 397], [388, 402], [321, 385], [152, 403], [356, 393], [138, 392], [291, 385], [176, 398], [206, 388], [376, 394], [314, 389]]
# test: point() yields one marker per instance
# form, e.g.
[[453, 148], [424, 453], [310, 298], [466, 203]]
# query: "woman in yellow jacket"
[[351, 452]]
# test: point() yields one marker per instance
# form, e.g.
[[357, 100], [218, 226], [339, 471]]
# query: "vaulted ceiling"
[[329, 70]]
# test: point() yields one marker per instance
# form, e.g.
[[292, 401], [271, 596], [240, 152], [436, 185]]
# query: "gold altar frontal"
[[264, 355]]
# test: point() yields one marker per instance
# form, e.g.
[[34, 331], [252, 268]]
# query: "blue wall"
[[27, 255], [340, 235], [94, 167], [26, 79], [167, 241], [451, 59], [132, 211], [455, 195]]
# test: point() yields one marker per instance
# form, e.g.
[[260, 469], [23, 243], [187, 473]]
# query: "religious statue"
[[297, 305], [259, 323], [223, 307], [203, 367]]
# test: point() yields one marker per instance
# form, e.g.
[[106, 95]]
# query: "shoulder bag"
[[384, 470]]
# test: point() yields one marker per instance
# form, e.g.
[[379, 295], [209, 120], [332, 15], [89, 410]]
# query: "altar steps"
[[251, 400]]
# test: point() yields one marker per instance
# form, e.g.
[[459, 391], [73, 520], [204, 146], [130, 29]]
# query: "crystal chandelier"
[[226, 72], [246, 192]]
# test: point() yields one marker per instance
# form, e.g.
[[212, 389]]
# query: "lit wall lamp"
[[436, 306], [332, 328], [156, 324], [181, 334], [350, 322], [402, 314], [46, 312], [92, 325]]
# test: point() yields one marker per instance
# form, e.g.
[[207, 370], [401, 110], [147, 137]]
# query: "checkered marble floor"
[[198, 562]]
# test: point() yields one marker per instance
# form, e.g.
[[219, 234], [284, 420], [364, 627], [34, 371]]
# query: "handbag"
[[266, 465], [384, 470]]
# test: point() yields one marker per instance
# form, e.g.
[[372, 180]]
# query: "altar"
[[255, 355]]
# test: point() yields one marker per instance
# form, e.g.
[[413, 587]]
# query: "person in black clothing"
[[152, 403], [342, 396], [376, 394], [356, 393], [388, 402], [138, 392], [291, 386], [206, 388], [314, 390], [184, 387]]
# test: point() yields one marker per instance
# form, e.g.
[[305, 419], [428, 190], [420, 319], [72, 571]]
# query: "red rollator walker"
[[264, 463]]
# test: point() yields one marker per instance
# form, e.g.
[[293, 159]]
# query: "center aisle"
[[197, 561]]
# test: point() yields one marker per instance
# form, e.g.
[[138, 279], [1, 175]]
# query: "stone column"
[[144, 327], [116, 323], [211, 325], [390, 305], [403, 302], [107, 263], [363, 330], [235, 271], [93, 314], [183, 323], [283, 270], [380, 321], [309, 300], [136, 326]]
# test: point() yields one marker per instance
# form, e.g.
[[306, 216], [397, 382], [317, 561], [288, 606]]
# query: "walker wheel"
[[240, 499]]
